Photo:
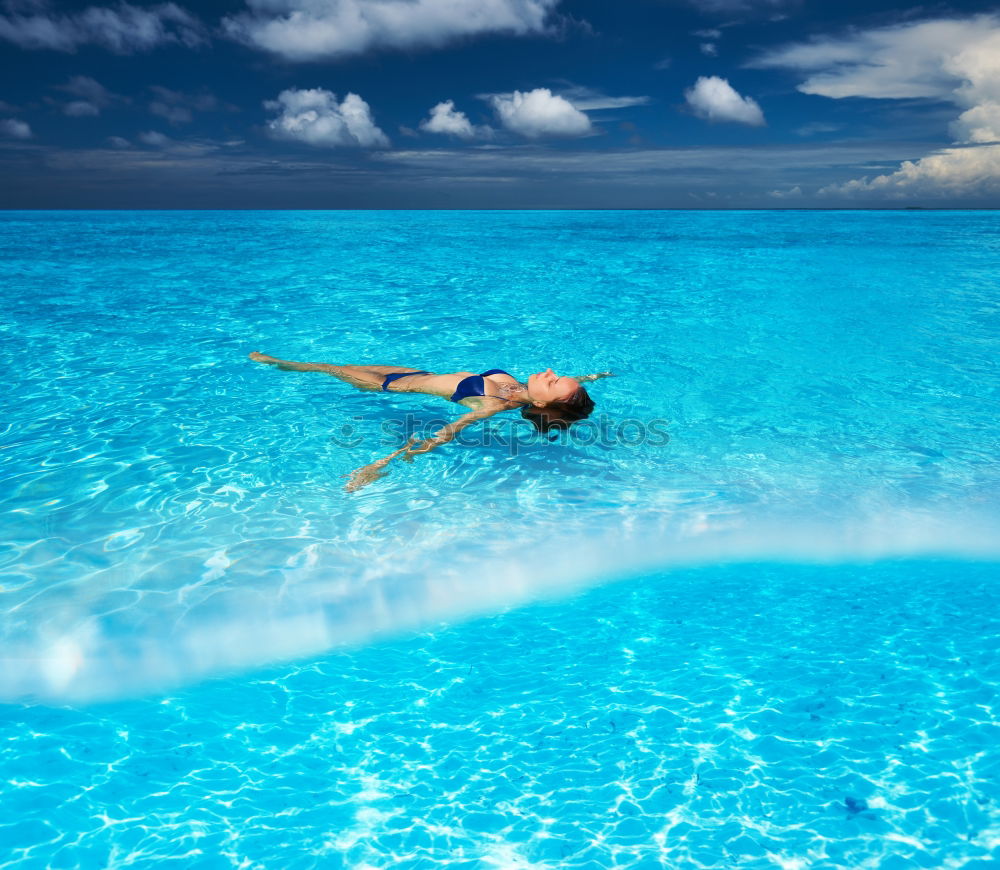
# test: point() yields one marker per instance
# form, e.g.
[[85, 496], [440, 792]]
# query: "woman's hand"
[[367, 474], [374, 470]]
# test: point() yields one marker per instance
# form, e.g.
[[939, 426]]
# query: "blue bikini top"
[[474, 385]]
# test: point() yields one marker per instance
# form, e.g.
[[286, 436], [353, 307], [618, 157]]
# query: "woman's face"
[[547, 387]]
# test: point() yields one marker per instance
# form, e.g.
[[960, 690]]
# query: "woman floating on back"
[[547, 400]]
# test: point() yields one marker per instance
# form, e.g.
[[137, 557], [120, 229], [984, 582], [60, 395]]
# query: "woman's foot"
[[257, 356]]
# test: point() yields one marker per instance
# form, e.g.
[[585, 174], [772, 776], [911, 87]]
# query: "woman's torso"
[[494, 386]]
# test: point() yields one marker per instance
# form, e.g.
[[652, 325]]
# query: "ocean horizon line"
[[522, 209]]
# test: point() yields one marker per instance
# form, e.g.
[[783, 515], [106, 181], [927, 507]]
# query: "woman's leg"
[[362, 377]]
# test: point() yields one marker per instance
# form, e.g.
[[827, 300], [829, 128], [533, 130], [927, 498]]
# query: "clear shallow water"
[[761, 716], [171, 512]]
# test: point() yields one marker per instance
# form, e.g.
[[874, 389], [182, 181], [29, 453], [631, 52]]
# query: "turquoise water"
[[214, 654]]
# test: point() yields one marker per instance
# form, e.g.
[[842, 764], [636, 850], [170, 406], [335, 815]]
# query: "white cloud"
[[203, 102], [446, 120], [155, 139], [951, 59], [731, 6], [957, 60], [708, 33], [739, 168], [93, 97], [709, 49], [589, 99], [979, 124], [178, 107], [311, 29], [315, 117], [972, 171], [816, 127], [88, 89], [538, 113], [81, 109], [714, 99], [122, 29], [918, 59], [790, 193], [118, 142], [173, 114], [14, 129]]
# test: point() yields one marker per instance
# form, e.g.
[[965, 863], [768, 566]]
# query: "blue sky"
[[499, 104]]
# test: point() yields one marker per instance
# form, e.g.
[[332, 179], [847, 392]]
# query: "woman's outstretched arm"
[[585, 378], [443, 436], [374, 470]]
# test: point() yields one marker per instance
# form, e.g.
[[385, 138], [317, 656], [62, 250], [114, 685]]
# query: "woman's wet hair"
[[559, 416]]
